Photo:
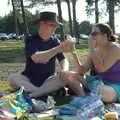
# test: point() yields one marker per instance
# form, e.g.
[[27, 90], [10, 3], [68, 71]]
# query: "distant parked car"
[[3, 36], [84, 37], [20, 37], [12, 36], [117, 36]]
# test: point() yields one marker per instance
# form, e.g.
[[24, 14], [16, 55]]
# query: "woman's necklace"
[[102, 59], [101, 56]]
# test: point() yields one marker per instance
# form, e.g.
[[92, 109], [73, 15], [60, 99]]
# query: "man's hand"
[[67, 46]]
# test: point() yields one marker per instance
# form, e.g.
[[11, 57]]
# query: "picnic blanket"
[[76, 109], [70, 111], [17, 103], [112, 107]]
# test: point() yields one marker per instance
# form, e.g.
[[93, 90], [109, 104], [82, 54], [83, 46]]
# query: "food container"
[[111, 116]]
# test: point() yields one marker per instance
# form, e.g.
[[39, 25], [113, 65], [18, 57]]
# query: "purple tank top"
[[112, 74]]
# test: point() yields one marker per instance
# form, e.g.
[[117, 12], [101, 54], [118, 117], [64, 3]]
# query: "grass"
[[12, 60], [11, 51]]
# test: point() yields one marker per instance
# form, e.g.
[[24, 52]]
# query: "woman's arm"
[[79, 67], [64, 65]]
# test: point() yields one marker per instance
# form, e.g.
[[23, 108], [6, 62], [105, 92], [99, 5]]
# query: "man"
[[42, 50]]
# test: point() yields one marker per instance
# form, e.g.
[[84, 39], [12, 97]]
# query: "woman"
[[104, 59]]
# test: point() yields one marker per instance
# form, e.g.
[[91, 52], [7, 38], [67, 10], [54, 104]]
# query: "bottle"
[[50, 102], [93, 107], [39, 106]]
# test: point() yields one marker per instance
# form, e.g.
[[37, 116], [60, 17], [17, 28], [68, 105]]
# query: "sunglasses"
[[95, 33]]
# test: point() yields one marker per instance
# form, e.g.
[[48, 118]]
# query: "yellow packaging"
[[111, 115]]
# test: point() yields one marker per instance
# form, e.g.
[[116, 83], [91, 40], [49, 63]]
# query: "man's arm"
[[45, 56]]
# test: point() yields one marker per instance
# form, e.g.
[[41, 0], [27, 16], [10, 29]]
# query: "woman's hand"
[[91, 43]]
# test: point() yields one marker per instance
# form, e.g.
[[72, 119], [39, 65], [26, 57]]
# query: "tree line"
[[21, 18]]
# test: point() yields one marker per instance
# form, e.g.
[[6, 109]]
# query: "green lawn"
[[12, 60], [11, 51]]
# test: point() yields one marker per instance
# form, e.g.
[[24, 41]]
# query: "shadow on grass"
[[12, 56], [13, 51]]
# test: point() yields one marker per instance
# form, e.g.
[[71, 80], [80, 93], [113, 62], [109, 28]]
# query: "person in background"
[[104, 59], [42, 50]]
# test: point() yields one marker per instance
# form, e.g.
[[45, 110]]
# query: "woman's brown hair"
[[105, 28]]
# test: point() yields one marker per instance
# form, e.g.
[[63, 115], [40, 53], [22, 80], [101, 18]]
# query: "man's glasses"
[[95, 33]]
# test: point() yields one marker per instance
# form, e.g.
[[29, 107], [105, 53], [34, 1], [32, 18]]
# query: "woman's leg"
[[108, 94]]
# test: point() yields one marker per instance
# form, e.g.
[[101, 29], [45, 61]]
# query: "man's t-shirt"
[[39, 72]]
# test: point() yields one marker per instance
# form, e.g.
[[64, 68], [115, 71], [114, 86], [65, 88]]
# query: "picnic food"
[[111, 116]]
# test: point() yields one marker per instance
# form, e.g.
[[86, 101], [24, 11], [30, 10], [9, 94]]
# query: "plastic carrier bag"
[[17, 103], [88, 106]]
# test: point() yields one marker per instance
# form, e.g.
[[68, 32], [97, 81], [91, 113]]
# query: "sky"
[[80, 12], [5, 9]]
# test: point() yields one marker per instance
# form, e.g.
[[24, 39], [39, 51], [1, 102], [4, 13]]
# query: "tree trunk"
[[111, 11], [26, 30], [75, 28], [70, 19], [60, 19], [15, 18], [96, 12]]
